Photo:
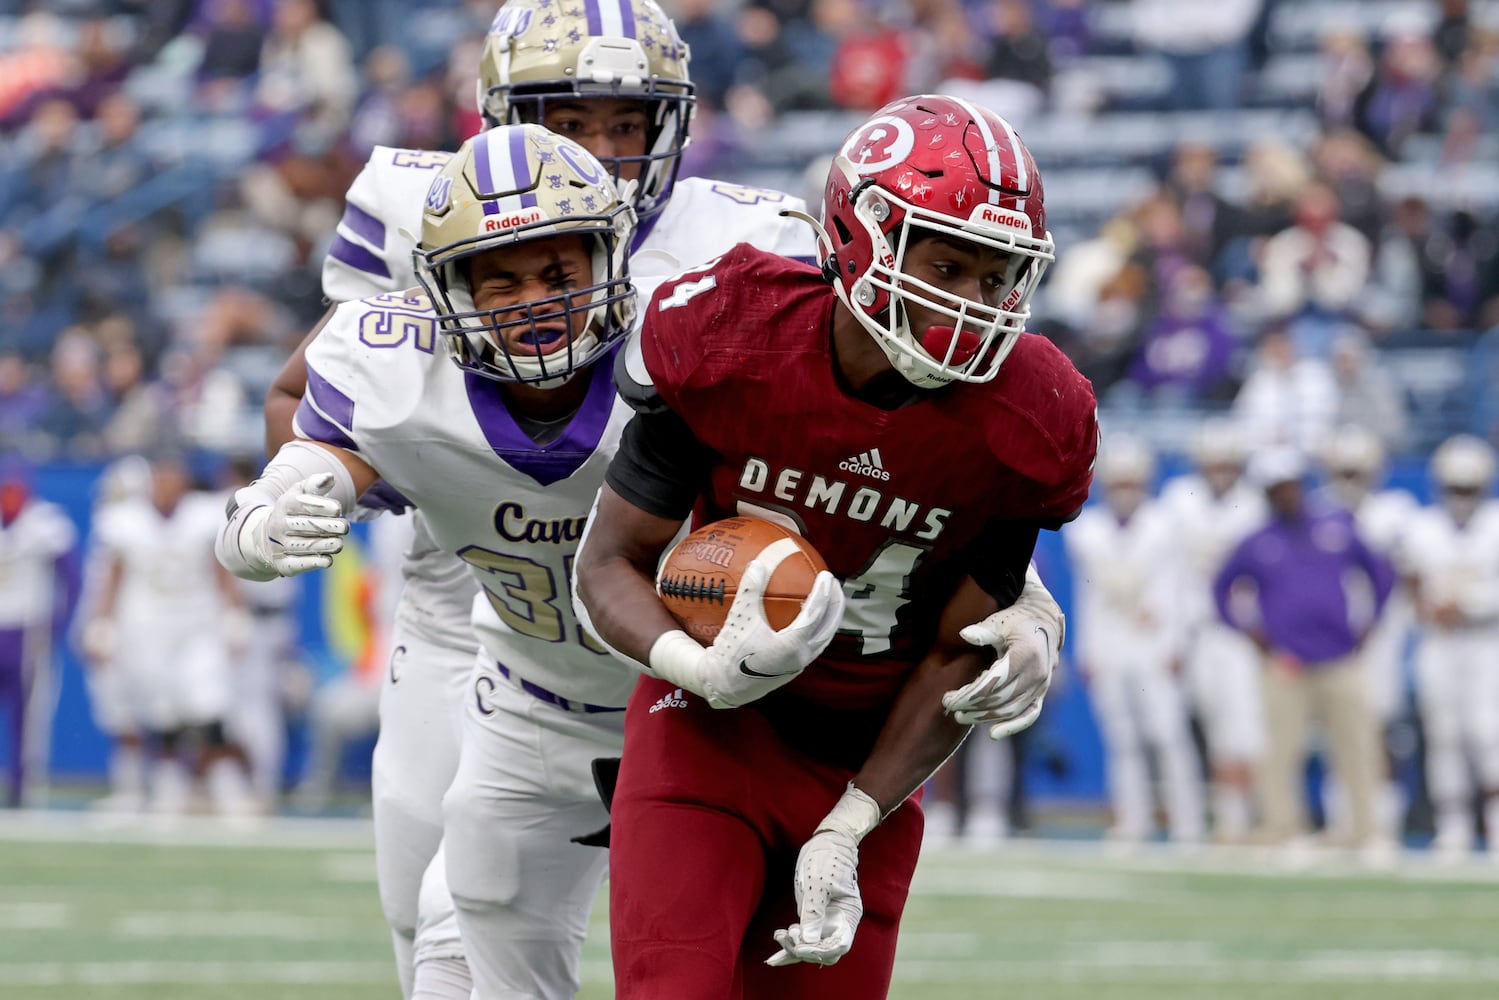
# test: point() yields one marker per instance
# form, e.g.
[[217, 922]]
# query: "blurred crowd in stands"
[[1284, 208]]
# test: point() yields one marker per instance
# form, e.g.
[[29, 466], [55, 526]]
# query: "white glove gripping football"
[[827, 885], [300, 531], [748, 658]]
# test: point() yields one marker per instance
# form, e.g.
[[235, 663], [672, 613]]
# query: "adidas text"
[[673, 700], [866, 464]]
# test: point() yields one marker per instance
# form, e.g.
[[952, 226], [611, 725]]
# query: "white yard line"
[[279, 833], [138, 973], [232, 924], [33, 916]]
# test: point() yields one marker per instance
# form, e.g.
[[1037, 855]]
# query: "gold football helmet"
[[541, 50], [519, 184]]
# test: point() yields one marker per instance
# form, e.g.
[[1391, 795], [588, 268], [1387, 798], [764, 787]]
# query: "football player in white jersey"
[[124, 480], [1213, 509], [524, 259], [167, 618], [1355, 460], [1130, 644], [1450, 558], [612, 76]]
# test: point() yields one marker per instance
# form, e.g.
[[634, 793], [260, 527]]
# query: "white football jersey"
[[380, 382], [371, 255], [1455, 565], [29, 549], [1382, 516], [170, 578], [1126, 593], [1207, 529]]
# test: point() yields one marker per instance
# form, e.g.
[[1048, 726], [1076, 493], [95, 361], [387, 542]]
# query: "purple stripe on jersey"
[[331, 400], [383, 496], [545, 463], [595, 21], [364, 225], [485, 174], [314, 425], [357, 257], [519, 168], [626, 18], [643, 233]]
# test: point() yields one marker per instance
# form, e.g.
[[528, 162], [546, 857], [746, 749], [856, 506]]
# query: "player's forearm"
[[918, 735], [623, 607], [615, 575]]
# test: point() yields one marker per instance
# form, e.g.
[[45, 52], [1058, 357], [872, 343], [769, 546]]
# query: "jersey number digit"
[[876, 595], [746, 195], [527, 595]]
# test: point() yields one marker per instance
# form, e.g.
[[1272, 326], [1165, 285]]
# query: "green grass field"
[[290, 912]]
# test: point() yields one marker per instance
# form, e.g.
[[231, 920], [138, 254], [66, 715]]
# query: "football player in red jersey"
[[890, 407]]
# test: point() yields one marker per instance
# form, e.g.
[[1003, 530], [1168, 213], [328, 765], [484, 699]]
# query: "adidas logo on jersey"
[[673, 700], [866, 463]]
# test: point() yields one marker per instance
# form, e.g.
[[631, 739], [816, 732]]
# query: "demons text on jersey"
[[834, 496], [512, 524]]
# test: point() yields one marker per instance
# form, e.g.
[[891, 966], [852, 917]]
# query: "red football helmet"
[[923, 165]]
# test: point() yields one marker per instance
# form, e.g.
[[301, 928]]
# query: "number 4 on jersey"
[[877, 594]]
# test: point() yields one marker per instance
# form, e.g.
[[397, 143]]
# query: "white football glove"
[[301, 531], [748, 658], [827, 885], [1027, 639]]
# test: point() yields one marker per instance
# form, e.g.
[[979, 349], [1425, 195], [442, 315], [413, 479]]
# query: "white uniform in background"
[[30, 548], [172, 657], [1221, 666], [125, 479], [417, 754], [1457, 668], [257, 720], [1382, 519], [1128, 640]]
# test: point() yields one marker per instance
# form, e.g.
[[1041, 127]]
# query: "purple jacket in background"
[[1299, 569]]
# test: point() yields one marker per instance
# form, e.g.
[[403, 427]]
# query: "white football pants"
[[522, 890], [1223, 669], [1138, 706], [1457, 684], [415, 758]]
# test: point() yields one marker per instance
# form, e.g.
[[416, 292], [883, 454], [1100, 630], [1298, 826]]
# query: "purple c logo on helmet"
[[585, 165]]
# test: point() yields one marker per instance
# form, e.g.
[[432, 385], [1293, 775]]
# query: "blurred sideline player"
[[1355, 459], [170, 620], [125, 479], [38, 583], [1450, 556], [1212, 509], [265, 673], [632, 110], [524, 259], [1130, 644], [933, 240]]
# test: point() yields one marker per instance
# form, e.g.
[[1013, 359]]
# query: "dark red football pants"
[[709, 813]]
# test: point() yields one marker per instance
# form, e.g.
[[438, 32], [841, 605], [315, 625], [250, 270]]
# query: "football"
[[700, 575]]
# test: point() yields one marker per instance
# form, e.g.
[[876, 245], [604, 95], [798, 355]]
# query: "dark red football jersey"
[[895, 500]]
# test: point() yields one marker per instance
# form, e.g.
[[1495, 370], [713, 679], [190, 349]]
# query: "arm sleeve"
[[661, 467], [1000, 557]]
